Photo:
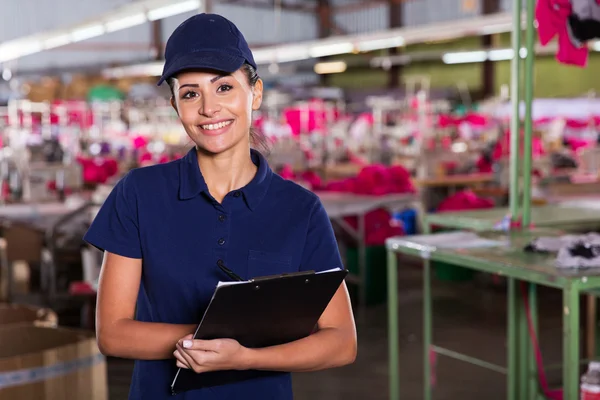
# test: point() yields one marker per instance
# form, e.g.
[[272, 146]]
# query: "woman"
[[168, 232]]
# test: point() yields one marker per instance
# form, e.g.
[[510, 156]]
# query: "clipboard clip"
[[285, 275]]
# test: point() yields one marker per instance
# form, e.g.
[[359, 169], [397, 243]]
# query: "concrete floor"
[[469, 317]]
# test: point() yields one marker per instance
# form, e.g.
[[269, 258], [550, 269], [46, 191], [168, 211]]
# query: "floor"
[[469, 317]]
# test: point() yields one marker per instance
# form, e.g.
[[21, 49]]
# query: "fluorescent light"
[[87, 32], [292, 53], [464, 57], [174, 9], [125, 22], [12, 51], [263, 56], [500, 54], [333, 67], [148, 69], [31, 47], [384, 43], [331, 49], [57, 41]]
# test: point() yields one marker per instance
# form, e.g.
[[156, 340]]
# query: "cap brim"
[[203, 60]]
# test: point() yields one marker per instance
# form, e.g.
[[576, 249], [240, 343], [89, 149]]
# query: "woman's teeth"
[[216, 126]]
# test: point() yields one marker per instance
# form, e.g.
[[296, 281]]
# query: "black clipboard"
[[262, 312]]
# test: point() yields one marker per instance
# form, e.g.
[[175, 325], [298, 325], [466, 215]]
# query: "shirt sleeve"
[[321, 250], [115, 229]]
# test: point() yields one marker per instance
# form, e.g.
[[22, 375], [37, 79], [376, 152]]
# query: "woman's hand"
[[210, 355]]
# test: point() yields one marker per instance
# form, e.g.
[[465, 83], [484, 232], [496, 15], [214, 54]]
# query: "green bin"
[[376, 266]]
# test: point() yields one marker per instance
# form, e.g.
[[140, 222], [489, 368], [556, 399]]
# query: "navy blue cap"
[[206, 41]]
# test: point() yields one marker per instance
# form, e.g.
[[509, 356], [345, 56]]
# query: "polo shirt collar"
[[192, 183]]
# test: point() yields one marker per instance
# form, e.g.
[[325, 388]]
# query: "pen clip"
[[230, 273]]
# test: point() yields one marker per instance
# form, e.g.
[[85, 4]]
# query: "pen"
[[230, 273]]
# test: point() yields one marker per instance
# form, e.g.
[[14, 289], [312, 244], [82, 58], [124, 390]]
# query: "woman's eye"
[[224, 88], [189, 95]]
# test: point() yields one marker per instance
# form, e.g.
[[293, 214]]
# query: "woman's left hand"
[[210, 355]]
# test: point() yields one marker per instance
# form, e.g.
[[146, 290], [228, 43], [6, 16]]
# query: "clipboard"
[[261, 312]]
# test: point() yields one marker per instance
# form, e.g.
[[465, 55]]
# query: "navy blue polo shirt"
[[165, 215]]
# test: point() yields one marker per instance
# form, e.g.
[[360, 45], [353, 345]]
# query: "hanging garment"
[[584, 21], [552, 17]]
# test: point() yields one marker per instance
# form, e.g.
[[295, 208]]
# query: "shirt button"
[[221, 242], [220, 263], [236, 194], [221, 218]]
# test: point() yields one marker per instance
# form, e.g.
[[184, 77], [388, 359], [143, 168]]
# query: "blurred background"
[[387, 109]]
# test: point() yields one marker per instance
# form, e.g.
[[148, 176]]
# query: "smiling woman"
[[170, 231], [185, 98]]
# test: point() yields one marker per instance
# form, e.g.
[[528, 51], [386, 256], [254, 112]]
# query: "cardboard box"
[[50, 364], [21, 314]]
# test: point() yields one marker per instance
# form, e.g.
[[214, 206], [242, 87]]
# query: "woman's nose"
[[210, 106]]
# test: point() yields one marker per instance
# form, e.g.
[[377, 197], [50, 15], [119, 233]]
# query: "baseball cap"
[[208, 41]]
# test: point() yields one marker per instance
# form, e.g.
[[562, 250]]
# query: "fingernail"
[[187, 344]]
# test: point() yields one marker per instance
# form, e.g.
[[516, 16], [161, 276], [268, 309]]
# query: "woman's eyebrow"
[[195, 85]]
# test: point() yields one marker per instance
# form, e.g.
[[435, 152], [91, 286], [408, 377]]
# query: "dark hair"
[[257, 138]]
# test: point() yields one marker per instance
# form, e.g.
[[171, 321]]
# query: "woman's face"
[[216, 109]]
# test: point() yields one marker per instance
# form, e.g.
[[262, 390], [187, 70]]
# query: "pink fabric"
[[287, 172], [375, 180], [576, 144], [484, 166], [551, 16], [98, 170], [464, 200], [379, 226], [502, 148]]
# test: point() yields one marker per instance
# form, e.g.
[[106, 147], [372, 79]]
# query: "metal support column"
[[571, 343], [515, 126], [427, 323], [393, 339], [511, 333], [528, 83]]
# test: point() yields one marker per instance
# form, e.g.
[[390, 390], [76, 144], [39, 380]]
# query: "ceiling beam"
[[311, 8], [362, 5]]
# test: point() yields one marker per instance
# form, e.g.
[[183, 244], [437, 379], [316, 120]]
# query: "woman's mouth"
[[215, 128]]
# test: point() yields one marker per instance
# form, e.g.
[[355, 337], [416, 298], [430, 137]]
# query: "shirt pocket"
[[262, 263]]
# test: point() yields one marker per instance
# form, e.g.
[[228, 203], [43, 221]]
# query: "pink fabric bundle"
[[379, 226], [98, 170], [464, 200], [502, 148], [375, 180]]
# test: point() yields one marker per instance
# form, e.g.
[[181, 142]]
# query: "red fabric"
[[464, 200], [375, 180], [502, 148], [576, 143], [313, 179], [551, 16], [98, 170], [379, 226], [484, 165], [287, 172]]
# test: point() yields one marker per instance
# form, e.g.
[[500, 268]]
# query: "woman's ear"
[[174, 104], [257, 94]]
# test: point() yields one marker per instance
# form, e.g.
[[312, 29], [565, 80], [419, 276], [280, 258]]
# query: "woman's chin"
[[212, 147]]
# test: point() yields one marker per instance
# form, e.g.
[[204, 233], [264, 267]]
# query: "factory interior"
[[453, 144]]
